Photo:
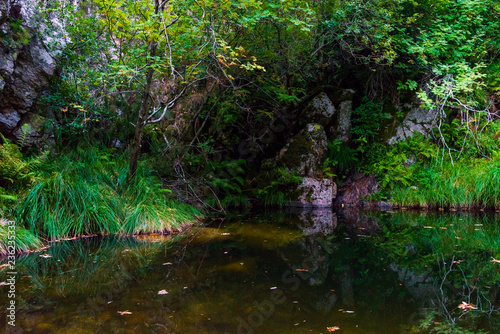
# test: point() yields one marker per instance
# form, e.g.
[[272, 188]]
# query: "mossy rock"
[[305, 152]]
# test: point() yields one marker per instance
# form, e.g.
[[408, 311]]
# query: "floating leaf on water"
[[467, 307], [332, 329], [162, 292]]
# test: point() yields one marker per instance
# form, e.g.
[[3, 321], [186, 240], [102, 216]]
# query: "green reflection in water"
[[271, 273]]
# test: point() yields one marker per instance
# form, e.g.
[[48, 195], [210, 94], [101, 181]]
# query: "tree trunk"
[[135, 151]]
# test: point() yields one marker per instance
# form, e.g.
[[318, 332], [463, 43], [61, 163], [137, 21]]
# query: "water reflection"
[[275, 272]]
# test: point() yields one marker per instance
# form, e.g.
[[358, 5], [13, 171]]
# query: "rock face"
[[344, 126], [305, 152], [417, 120], [355, 188], [26, 65], [317, 193], [320, 110]]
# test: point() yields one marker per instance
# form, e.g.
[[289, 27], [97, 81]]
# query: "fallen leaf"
[[124, 312], [162, 292], [467, 307], [332, 329]]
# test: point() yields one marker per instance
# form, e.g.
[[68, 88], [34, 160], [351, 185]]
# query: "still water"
[[305, 272]]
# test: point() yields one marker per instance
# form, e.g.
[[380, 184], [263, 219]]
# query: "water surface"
[[270, 273]]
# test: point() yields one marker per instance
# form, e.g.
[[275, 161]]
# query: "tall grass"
[[24, 239], [85, 191], [467, 184]]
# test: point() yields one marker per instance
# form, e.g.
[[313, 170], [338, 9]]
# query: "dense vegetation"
[[180, 102]]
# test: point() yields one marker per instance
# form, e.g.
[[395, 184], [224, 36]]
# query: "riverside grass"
[[24, 241], [85, 192], [468, 184]]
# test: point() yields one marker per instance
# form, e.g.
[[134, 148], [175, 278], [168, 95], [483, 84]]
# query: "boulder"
[[343, 95], [9, 119], [355, 188], [320, 110], [25, 69], [305, 152], [344, 123], [417, 119], [312, 192]]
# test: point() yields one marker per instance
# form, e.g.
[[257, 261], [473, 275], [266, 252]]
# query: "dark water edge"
[[270, 272]]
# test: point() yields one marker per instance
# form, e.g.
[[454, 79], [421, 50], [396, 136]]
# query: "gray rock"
[[4, 10], [344, 126], [343, 95], [354, 188], [6, 63], [25, 68], [312, 193], [319, 110], [305, 152], [417, 119], [9, 119]]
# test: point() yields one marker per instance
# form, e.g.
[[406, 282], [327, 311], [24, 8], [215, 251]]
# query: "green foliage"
[[225, 178], [367, 119], [341, 158], [24, 240], [435, 324], [85, 192], [280, 180], [466, 184], [17, 173], [395, 165]]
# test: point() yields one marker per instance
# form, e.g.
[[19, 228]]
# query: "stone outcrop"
[[26, 66], [320, 110], [312, 192], [305, 152], [417, 119], [355, 188], [344, 126]]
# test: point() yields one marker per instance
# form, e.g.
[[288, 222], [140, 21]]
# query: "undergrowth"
[[85, 191], [24, 239]]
